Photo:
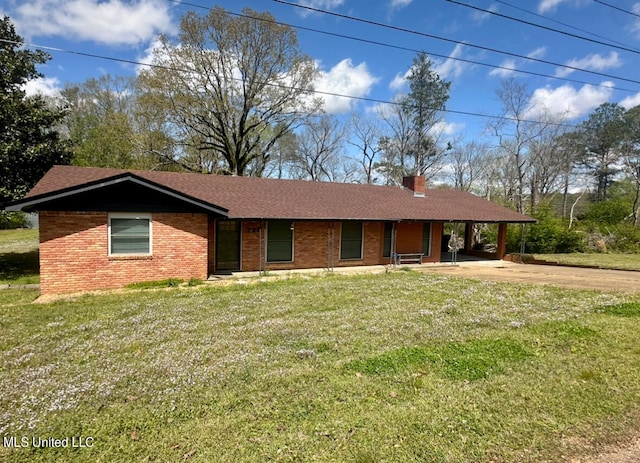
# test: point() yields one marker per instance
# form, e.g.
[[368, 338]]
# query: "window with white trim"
[[129, 234]]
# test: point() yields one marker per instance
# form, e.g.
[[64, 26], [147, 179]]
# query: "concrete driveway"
[[568, 277]]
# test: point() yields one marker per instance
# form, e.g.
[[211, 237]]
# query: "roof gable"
[[52, 191]]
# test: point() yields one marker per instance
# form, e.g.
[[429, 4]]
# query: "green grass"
[[402, 366], [19, 257], [609, 260]]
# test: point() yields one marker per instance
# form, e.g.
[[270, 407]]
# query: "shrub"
[[550, 236], [609, 212], [11, 220]]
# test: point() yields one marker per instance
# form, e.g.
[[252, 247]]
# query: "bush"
[[11, 220], [609, 212], [551, 236]]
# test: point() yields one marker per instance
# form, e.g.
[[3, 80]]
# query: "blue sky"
[[473, 49]]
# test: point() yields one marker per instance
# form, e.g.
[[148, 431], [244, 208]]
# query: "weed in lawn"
[[168, 283], [469, 360], [626, 309]]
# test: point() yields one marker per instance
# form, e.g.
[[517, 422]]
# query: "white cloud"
[[447, 128], [537, 53], [548, 5], [400, 3], [630, 101], [452, 67], [112, 22], [507, 68], [480, 16], [566, 101], [399, 81], [346, 79], [43, 86], [318, 4], [593, 62]]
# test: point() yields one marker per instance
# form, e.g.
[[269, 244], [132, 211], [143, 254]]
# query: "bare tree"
[[515, 134], [365, 137], [469, 163], [319, 149]]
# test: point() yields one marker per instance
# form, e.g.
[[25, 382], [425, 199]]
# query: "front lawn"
[[609, 260], [392, 367]]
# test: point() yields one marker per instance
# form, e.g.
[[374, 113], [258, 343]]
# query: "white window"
[[129, 234]]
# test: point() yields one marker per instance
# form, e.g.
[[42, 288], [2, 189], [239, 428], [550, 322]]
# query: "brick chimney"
[[415, 183]]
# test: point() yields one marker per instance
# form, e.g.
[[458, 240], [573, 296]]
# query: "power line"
[[546, 18], [397, 47], [617, 8], [283, 87], [540, 26], [431, 36]]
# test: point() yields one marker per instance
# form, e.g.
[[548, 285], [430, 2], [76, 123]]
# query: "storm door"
[[227, 246]]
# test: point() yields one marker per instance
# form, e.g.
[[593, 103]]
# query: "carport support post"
[[468, 238], [501, 247]]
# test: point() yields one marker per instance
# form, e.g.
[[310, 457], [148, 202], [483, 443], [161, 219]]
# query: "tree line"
[[235, 95]]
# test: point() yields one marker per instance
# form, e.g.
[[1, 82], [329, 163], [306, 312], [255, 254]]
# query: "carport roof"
[[265, 198]]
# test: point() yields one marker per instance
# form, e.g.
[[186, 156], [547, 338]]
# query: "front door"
[[227, 246]]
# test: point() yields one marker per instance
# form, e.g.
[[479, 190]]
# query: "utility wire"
[[560, 23], [280, 86], [617, 8], [431, 36], [546, 28], [413, 50]]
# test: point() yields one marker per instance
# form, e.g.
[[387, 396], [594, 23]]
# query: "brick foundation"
[[74, 252]]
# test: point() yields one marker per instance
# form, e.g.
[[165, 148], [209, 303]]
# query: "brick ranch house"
[[105, 228]]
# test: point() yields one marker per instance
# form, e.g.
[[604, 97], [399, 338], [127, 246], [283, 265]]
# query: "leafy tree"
[[99, 122], [600, 139], [229, 90], [632, 157], [29, 143], [427, 98], [414, 121]]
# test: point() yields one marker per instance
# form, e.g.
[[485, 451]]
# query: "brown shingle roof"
[[263, 198]]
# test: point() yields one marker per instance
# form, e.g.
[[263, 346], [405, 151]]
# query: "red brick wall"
[[311, 246], [437, 228], [74, 252]]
